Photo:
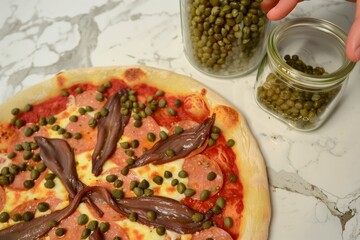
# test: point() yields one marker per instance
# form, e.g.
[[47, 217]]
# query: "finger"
[[282, 9], [267, 5], [353, 39]]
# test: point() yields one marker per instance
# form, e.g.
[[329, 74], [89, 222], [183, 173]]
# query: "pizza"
[[128, 153]]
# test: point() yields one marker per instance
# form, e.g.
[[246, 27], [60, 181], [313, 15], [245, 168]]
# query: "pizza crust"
[[257, 211]]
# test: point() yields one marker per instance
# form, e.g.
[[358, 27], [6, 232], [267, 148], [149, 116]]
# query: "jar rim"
[[301, 78]]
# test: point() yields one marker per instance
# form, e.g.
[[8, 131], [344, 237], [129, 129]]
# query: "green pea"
[[167, 174], [104, 227], [43, 206], [205, 194], [183, 174], [151, 137], [93, 225], [163, 135], [160, 230], [180, 187], [158, 180], [49, 184], [197, 217], [221, 202], [133, 217], [150, 215], [60, 232], [230, 143], [117, 193], [228, 222], [111, 178], [82, 219], [85, 233], [4, 217], [27, 216], [189, 192]]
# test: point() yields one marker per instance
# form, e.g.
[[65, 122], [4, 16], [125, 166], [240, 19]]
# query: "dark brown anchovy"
[[170, 213], [182, 144], [40, 226], [110, 129], [96, 235], [59, 158]]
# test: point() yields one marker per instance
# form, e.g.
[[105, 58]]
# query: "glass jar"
[[304, 74], [223, 38]]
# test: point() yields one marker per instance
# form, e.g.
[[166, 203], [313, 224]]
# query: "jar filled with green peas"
[[223, 38], [304, 73]]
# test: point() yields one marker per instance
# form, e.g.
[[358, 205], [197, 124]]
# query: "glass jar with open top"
[[303, 76]]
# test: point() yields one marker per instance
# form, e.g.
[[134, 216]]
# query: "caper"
[[111, 178], [134, 143], [93, 225], [125, 171], [205, 194], [53, 223], [232, 177], [40, 167], [82, 219], [130, 161], [197, 217], [151, 215], [167, 174], [183, 174], [27, 216], [49, 184], [148, 192], [171, 111], [178, 130], [125, 145], [50, 176], [163, 135], [170, 153], [189, 192], [207, 224], [220, 202], [118, 183], [16, 217], [77, 135], [64, 93], [117, 193], [4, 217], [133, 217], [60, 232], [138, 191], [180, 187], [211, 176], [133, 184], [174, 182], [51, 120], [158, 180], [228, 222], [81, 111], [15, 111], [160, 230], [216, 209], [28, 184], [28, 131], [43, 206], [19, 122], [104, 227], [230, 143], [151, 137], [162, 103], [85, 233], [144, 184]]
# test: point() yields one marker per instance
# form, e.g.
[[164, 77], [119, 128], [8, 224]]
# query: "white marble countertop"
[[314, 176]]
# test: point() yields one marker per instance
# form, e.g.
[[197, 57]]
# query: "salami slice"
[[31, 206], [115, 231], [2, 198], [214, 233], [72, 229], [198, 167], [88, 98]]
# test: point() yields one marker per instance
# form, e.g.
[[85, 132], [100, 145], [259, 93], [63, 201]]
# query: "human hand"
[[278, 9]]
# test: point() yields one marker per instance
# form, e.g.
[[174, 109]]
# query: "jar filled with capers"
[[223, 38], [303, 76]]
